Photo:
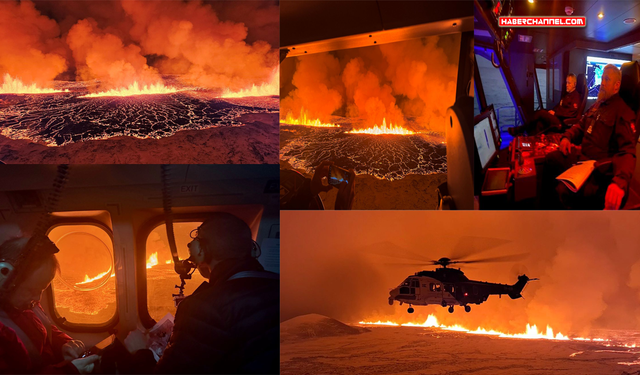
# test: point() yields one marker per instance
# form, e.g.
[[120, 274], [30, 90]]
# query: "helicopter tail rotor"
[[515, 293]]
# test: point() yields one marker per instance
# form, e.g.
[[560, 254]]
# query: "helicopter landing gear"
[[451, 309], [443, 303], [391, 301], [410, 310], [467, 308]]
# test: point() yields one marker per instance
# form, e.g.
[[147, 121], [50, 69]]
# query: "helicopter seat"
[[581, 87]]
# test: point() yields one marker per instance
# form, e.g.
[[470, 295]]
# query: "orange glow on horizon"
[[531, 331], [384, 129], [271, 88], [304, 120], [16, 86], [135, 89]]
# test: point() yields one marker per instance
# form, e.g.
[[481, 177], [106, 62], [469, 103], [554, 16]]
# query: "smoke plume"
[[587, 263], [413, 79], [212, 45]]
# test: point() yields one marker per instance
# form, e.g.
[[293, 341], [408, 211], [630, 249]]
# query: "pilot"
[[544, 120], [29, 342], [606, 135], [231, 323], [303, 198]]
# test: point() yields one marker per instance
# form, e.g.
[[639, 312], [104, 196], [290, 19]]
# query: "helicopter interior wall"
[[123, 199]]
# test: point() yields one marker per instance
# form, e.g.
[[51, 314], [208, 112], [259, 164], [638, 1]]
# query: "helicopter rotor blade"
[[504, 258], [470, 245], [392, 250]]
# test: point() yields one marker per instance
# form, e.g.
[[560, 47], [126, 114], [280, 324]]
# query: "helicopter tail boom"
[[518, 287]]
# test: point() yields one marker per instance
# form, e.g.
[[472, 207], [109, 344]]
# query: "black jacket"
[[227, 326], [568, 106], [607, 131]]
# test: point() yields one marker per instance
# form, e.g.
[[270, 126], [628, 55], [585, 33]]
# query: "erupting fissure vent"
[[384, 129]]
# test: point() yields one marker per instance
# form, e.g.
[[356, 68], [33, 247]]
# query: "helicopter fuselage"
[[449, 287]]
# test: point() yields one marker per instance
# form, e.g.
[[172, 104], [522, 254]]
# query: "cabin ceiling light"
[[629, 21], [600, 15]]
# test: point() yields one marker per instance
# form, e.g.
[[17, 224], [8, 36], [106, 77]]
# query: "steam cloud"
[[122, 42], [588, 266], [415, 78]]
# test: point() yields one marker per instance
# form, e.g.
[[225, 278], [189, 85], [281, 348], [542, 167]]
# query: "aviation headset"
[[256, 250], [12, 270]]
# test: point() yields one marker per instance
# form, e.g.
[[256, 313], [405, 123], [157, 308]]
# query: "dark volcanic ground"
[[256, 142], [389, 157], [190, 126], [64, 118]]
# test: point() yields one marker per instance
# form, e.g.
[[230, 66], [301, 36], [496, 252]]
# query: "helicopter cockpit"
[[524, 74]]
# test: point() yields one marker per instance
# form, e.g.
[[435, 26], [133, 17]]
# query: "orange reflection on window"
[[161, 276], [85, 289]]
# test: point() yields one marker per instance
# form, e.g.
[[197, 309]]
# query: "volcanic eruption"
[[134, 68], [579, 317]]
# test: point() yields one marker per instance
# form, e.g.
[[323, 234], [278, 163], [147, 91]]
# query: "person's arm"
[[575, 133], [624, 161], [194, 342]]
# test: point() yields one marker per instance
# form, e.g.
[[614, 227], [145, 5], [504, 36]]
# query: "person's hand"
[[552, 112], [322, 171], [72, 349], [565, 146], [135, 341], [613, 199], [346, 193], [86, 365]]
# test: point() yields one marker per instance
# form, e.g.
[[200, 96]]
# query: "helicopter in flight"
[[449, 287]]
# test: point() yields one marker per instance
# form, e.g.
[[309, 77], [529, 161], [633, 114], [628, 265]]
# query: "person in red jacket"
[[29, 342]]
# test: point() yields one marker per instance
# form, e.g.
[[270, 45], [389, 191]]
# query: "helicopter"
[[448, 287]]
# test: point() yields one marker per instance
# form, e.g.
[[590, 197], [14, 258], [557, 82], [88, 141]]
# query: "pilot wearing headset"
[[29, 342], [231, 323]]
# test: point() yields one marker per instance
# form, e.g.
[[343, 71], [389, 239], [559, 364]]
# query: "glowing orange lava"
[[270, 88], [531, 331], [153, 260], [134, 89], [15, 86], [305, 121], [88, 279], [384, 129]]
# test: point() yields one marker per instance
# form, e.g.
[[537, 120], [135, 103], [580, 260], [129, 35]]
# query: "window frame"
[[141, 258], [61, 321]]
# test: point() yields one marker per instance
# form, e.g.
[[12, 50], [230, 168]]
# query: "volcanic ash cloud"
[[192, 40], [31, 48], [103, 56], [411, 79]]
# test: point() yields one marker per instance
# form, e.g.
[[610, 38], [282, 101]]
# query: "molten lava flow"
[[88, 280], [305, 121], [168, 262], [134, 89], [531, 331], [153, 260], [271, 88], [15, 86], [379, 130]]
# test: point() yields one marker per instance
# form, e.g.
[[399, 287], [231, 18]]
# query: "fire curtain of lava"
[[81, 70], [587, 264]]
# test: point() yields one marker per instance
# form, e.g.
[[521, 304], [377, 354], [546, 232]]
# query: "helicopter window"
[[404, 290], [84, 290], [415, 284], [161, 276], [435, 287]]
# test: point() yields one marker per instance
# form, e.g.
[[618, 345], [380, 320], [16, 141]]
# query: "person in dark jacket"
[[230, 324], [544, 120], [606, 135], [29, 342]]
